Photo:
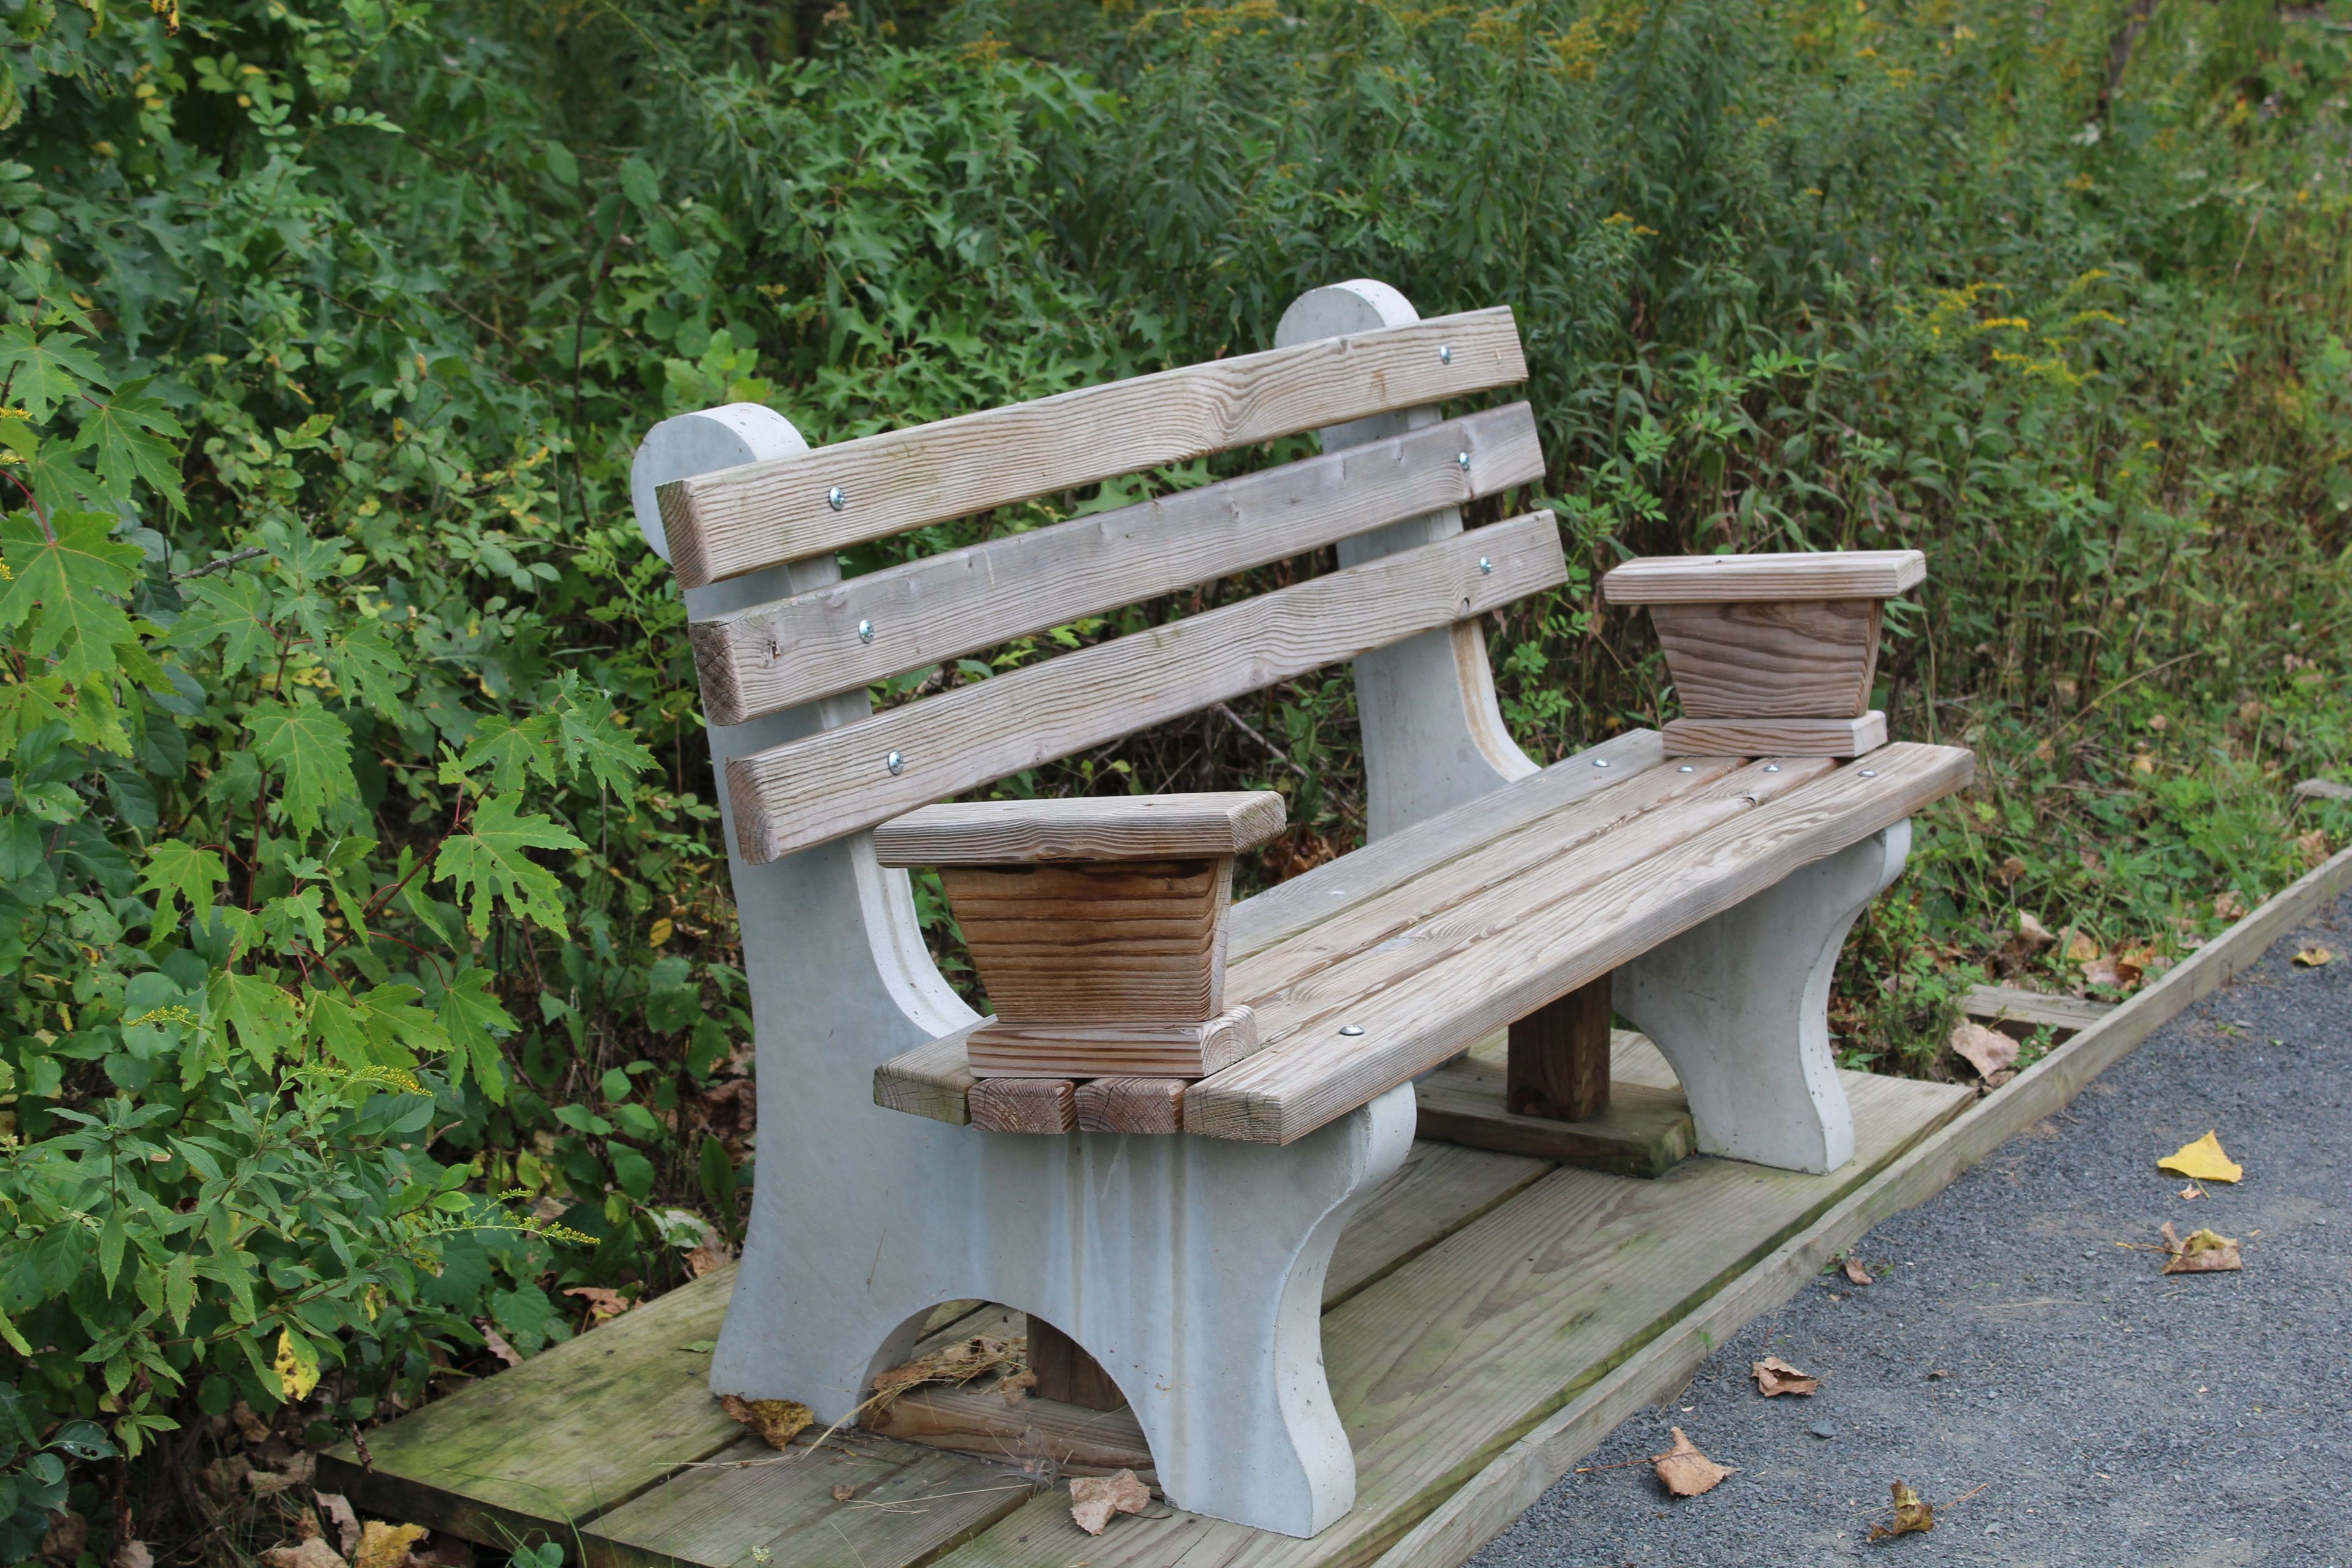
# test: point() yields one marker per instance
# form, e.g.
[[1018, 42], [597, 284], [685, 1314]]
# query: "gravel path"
[[2113, 1417]]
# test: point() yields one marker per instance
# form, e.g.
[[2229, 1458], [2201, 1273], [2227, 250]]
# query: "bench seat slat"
[[1291, 1088], [838, 781], [740, 519], [775, 655]]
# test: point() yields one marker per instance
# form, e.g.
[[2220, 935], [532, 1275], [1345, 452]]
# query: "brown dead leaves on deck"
[[2200, 1252], [777, 1421], [956, 1364], [1094, 1498], [1911, 1516], [1686, 1471], [1775, 1377]]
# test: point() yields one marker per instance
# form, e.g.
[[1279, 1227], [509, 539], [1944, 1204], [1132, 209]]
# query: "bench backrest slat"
[[840, 781], [774, 655], [723, 524]]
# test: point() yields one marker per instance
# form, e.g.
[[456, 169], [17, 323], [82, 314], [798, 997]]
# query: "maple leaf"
[[382, 1027], [363, 662], [469, 1012], [45, 369], [594, 741], [127, 432], [512, 751], [310, 748], [180, 871], [233, 611], [260, 1011], [66, 582], [491, 862]]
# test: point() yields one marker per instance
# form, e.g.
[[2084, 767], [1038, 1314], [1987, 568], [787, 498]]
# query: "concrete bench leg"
[[1740, 1008]]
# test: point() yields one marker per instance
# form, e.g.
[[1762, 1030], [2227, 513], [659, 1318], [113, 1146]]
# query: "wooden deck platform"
[[1475, 1294]]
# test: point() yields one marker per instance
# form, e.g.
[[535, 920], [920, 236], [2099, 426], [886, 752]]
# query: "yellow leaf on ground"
[[2080, 947], [1094, 1498], [1911, 1515], [1686, 1470], [2314, 955], [777, 1421], [385, 1545], [297, 1365], [1774, 1376], [2202, 1161]]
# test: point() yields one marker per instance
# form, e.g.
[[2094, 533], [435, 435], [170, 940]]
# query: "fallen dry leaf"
[[2313, 845], [1987, 1050], [843, 1491], [346, 1520], [604, 1303], [2080, 947], [2203, 1252], [269, 1483], [777, 1421], [133, 1554], [2322, 789], [496, 1344], [712, 1254], [2229, 906], [308, 1553], [1911, 1515], [2011, 869], [2118, 972], [1774, 1376], [1014, 1387], [1686, 1470], [2314, 955], [385, 1545], [2032, 932], [1094, 1498], [252, 1427], [957, 1363], [2191, 1191], [2202, 1161], [1856, 1271]]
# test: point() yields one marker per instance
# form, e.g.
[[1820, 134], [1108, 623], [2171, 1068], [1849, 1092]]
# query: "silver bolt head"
[[1352, 1030], [1870, 773], [1445, 354], [896, 762], [835, 499], [1485, 567], [1686, 768], [865, 631], [1461, 462], [1599, 762], [1772, 767]]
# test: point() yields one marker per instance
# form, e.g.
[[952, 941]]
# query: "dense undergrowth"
[[370, 980]]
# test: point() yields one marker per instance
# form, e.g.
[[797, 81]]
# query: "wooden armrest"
[[1094, 827], [1771, 655], [1096, 926]]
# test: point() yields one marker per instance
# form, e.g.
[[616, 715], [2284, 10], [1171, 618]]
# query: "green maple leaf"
[[233, 612], [260, 1010], [128, 432], [382, 1027], [66, 582], [594, 741], [180, 871], [47, 367], [470, 1011], [363, 662], [490, 862], [512, 749], [311, 750]]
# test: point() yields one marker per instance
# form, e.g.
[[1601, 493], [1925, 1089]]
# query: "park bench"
[[1152, 1148]]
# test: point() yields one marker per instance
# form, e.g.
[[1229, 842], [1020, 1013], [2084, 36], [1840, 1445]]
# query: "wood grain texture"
[[1643, 1131], [934, 1080], [581, 1427], [995, 1049], [1038, 1105], [1441, 1365], [1778, 658], [1560, 1057], [1095, 942], [1150, 1105], [1497, 1494], [908, 1503], [738, 519], [2021, 1012], [1042, 1436], [1293, 1087], [838, 781], [1776, 737], [1065, 1373], [1086, 827], [1337, 885], [849, 634], [1794, 574]]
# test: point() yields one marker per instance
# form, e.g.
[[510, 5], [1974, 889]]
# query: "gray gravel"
[[2113, 1417]]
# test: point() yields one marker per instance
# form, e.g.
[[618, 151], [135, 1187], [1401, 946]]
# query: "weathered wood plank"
[[1085, 827], [1066, 1373], [738, 519], [1776, 737], [1559, 1058], [1050, 1435], [2022, 1012], [1791, 575], [851, 634], [994, 1048], [1445, 1363], [1096, 942], [579, 1429], [1643, 1131], [1133, 1105], [841, 780], [1771, 659], [1042, 1105], [1297, 1084]]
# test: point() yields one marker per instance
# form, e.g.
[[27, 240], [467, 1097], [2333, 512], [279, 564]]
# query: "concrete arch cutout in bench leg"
[[1191, 1269], [1739, 1007]]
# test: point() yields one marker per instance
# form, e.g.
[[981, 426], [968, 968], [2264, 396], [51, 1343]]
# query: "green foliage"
[[357, 857]]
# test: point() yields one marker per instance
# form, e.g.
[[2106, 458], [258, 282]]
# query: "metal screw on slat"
[[1599, 762], [1352, 1030], [894, 762], [1685, 768], [1772, 767], [1445, 354], [865, 631], [834, 498], [1461, 462], [1485, 567], [1870, 773]]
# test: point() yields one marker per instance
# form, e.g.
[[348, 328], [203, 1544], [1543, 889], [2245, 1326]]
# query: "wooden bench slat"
[[740, 519], [839, 781], [1288, 1091], [771, 657], [1772, 575]]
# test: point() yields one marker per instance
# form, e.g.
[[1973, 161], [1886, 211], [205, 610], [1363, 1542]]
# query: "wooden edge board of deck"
[[765, 658], [1783, 574], [1288, 1090], [2028, 1010], [1502, 1490], [1776, 737], [838, 781]]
